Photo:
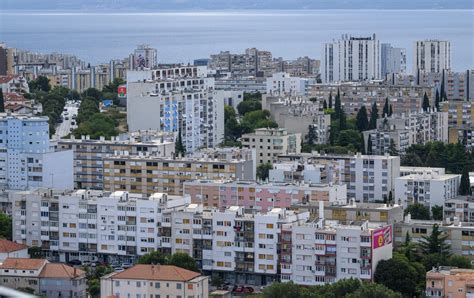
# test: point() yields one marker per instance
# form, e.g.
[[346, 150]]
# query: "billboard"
[[381, 237], [122, 91]]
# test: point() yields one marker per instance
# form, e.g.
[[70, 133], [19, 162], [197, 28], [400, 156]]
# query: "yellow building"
[[450, 282]]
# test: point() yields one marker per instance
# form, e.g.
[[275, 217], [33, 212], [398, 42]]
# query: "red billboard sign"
[[381, 237], [122, 91]]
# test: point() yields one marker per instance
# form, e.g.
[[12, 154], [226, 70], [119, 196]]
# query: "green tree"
[[93, 93], [399, 274], [373, 290], [426, 103], [459, 262], [390, 111], [312, 136], [437, 212], [443, 91], [257, 119], [98, 125], [349, 137], [330, 100], [178, 146], [93, 287], [35, 252], [392, 149], [418, 211], [263, 170], [386, 108], [40, 84], [2, 102], [369, 145], [435, 243], [183, 260], [5, 226], [154, 258], [325, 105], [362, 120], [374, 115], [337, 106], [465, 186], [437, 100], [282, 290]]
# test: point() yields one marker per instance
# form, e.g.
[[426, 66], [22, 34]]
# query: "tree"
[[443, 91], [407, 239], [93, 93], [312, 136], [330, 100], [349, 137], [437, 99], [437, 212], [40, 84], [399, 275], [98, 125], [369, 145], [390, 197], [342, 120], [362, 120], [418, 211], [373, 290], [459, 262], [35, 252], [392, 149], [2, 102], [390, 111], [263, 170], [465, 186], [154, 258], [325, 105], [386, 108], [178, 146], [93, 287], [337, 106], [282, 290], [426, 103], [5, 226], [435, 243], [374, 115], [183, 260]]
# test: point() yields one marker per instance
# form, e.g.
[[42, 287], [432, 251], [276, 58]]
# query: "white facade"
[[282, 83], [229, 97], [144, 57], [429, 189], [174, 99], [393, 60], [431, 56], [351, 59], [27, 159]]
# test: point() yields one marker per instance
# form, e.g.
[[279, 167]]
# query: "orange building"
[[450, 282]]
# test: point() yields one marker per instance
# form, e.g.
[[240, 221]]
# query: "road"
[[64, 128]]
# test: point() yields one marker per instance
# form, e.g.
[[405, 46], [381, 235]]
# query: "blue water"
[[182, 37]]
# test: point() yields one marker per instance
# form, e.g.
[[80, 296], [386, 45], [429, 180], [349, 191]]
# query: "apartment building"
[[44, 278], [429, 189], [399, 132], [351, 59], [431, 56], [261, 197], [144, 57], [253, 62], [460, 121], [271, 142], [148, 174], [449, 282], [229, 97], [324, 252], [282, 83], [90, 225], [296, 172], [393, 60], [245, 84], [297, 114], [459, 209], [408, 170], [403, 98], [154, 281], [14, 84], [177, 99], [354, 211], [460, 235], [27, 158], [369, 178], [89, 154]]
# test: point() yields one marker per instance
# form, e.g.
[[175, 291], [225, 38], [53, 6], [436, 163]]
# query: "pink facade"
[[262, 197]]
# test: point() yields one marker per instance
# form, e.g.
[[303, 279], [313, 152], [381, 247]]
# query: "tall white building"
[[27, 159], [431, 56], [176, 99], [144, 57], [393, 60], [282, 83], [351, 59]]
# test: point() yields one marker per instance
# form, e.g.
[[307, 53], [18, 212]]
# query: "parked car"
[[75, 262], [118, 269], [126, 265], [66, 118]]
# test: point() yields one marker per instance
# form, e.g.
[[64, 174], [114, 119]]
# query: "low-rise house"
[[10, 249], [450, 282]]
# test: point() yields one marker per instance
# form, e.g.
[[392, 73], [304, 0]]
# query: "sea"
[[97, 37]]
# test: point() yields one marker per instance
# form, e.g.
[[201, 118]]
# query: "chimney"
[[75, 272]]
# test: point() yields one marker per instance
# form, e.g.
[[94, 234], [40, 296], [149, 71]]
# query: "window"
[[178, 286], [157, 285]]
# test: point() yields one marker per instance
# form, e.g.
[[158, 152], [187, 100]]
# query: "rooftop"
[[23, 264], [7, 246], [156, 272], [58, 270]]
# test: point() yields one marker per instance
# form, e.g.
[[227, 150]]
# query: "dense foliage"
[[5, 226], [178, 259]]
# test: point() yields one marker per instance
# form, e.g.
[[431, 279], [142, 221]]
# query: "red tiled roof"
[[22, 263], [10, 246], [13, 96], [57, 270], [6, 79], [156, 272]]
